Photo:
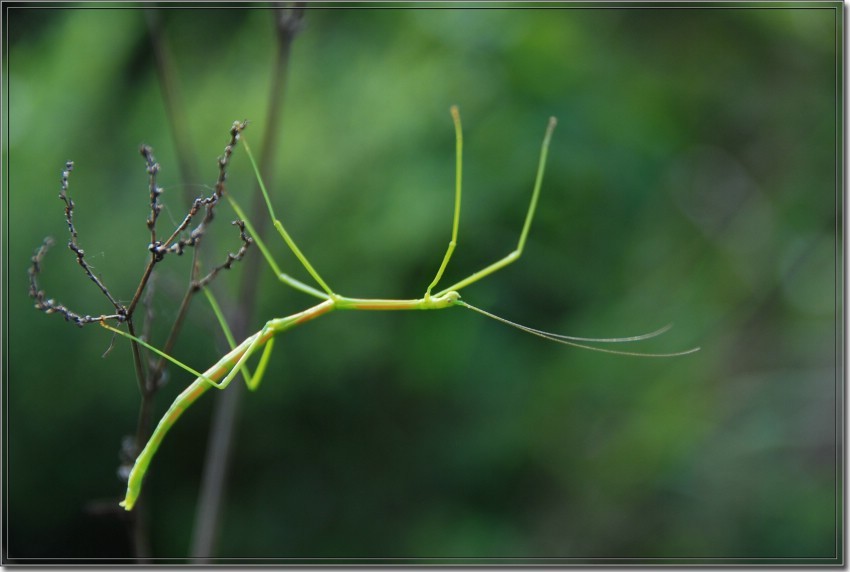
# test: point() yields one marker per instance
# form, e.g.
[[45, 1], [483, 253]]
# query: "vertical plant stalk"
[[288, 22], [164, 64], [172, 100], [152, 381], [140, 522]]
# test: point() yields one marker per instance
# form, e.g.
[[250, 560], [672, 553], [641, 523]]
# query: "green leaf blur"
[[693, 178]]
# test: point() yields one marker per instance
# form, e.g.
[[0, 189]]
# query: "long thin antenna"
[[572, 340]]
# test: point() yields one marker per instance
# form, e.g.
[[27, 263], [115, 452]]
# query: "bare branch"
[[231, 258], [156, 207], [149, 378], [51, 306], [72, 244], [158, 249]]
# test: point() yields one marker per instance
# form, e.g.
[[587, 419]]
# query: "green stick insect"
[[220, 374]]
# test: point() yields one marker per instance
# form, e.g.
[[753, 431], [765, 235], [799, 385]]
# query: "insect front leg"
[[517, 252]]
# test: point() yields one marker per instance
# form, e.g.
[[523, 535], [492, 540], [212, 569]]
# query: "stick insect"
[[220, 374]]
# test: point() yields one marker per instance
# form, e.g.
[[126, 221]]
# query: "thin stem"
[[170, 86], [140, 289], [169, 244], [231, 258], [188, 171], [51, 306], [137, 359], [72, 243], [208, 516], [176, 326], [155, 191]]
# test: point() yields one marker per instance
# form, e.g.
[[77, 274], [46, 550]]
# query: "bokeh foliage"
[[693, 178]]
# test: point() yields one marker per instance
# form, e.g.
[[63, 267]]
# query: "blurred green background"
[[693, 178]]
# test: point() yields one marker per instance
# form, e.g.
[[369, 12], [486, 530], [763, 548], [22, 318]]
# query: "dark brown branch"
[[161, 249], [147, 301], [158, 250], [156, 207], [231, 258], [51, 306], [193, 241], [235, 131], [72, 244], [149, 382], [169, 246]]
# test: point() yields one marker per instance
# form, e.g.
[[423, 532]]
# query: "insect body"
[[220, 374]]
